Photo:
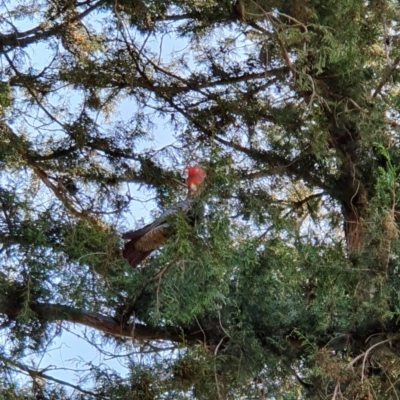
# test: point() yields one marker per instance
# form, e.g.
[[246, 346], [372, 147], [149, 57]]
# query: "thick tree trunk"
[[354, 208], [352, 229]]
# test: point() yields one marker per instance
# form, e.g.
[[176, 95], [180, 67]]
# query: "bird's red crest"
[[195, 175]]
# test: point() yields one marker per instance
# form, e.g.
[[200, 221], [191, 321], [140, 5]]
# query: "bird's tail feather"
[[134, 256]]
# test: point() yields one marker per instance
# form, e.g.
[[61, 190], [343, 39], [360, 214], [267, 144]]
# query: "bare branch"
[[366, 354], [34, 374], [386, 77]]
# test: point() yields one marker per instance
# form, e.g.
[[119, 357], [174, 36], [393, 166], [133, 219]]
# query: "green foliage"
[[285, 283], [5, 96]]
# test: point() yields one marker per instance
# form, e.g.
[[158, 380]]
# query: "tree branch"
[[386, 76], [278, 163], [49, 312], [58, 192], [34, 374], [23, 39], [193, 82]]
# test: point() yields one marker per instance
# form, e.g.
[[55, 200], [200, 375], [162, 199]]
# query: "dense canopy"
[[288, 287]]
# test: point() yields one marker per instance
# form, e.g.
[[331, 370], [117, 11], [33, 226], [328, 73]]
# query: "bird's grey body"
[[152, 236]]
